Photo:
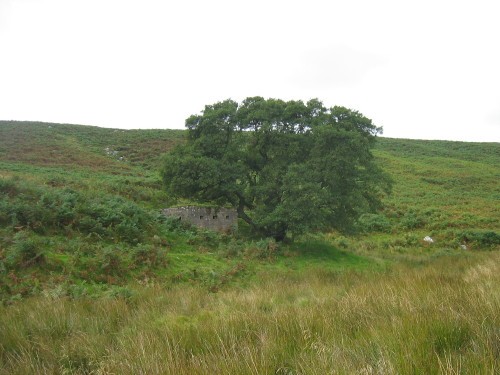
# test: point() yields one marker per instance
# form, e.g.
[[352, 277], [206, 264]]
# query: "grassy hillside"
[[80, 147], [74, 194], [457, 181], [447, 190], [80, 226]]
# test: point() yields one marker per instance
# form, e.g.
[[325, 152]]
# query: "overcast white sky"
[[427, 69]]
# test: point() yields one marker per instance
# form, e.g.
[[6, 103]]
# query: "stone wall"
[[218, 219]]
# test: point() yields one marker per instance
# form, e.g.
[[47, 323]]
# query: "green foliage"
[[83, 208], [27, 250], [77, 237], [110, 260], [287, 167], [153, 256], [259, 249], [373, 223], [8, 187], [412, 220], [45, 209], [481, 238]]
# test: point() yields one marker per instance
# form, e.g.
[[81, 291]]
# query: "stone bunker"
[[219, 219]]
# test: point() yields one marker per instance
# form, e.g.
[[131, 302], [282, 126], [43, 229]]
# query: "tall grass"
[[442, 318]]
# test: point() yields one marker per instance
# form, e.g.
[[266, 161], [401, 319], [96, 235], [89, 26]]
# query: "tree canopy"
[[286, 166]]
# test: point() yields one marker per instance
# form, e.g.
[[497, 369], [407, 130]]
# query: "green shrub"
[[262, 249], [5, 218], [26, 250], [8, 187], [115, 218], [373, 223], [412, 220], [342, 242], [110, 261], [485, 239], [89, 225], [175, 225], [46, 210], [149, 255], [26, 214], [62, 205]]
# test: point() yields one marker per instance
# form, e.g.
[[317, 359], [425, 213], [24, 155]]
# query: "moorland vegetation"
[[94, 280]]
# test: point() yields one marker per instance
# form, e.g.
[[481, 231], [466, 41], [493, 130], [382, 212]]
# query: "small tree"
[[287, 167]]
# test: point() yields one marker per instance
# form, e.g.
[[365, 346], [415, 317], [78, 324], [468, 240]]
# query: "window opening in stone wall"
[[227, 217], [214, 217], [201, 217]]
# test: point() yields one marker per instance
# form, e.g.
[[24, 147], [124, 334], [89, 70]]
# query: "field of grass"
[[94, 280], [441, 317]]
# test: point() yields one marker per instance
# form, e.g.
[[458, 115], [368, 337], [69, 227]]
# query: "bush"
[[485, 239], [262, 249], [373, 223], [175, 225], [412, 220], [115, 218], [110, 261], [89, 225], [27, 215], [128, 230], [4, 214], [149, 255], [26, 250], [8, 187]]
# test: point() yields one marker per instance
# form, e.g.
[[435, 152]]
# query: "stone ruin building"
[[214, 218]]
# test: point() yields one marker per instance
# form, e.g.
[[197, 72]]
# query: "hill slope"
[[100, 188], [94, 280], [443, 184]]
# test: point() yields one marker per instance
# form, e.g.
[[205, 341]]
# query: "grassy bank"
[[442, 317]]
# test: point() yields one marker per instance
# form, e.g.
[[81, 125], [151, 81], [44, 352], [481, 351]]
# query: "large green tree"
[[287, 167]]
